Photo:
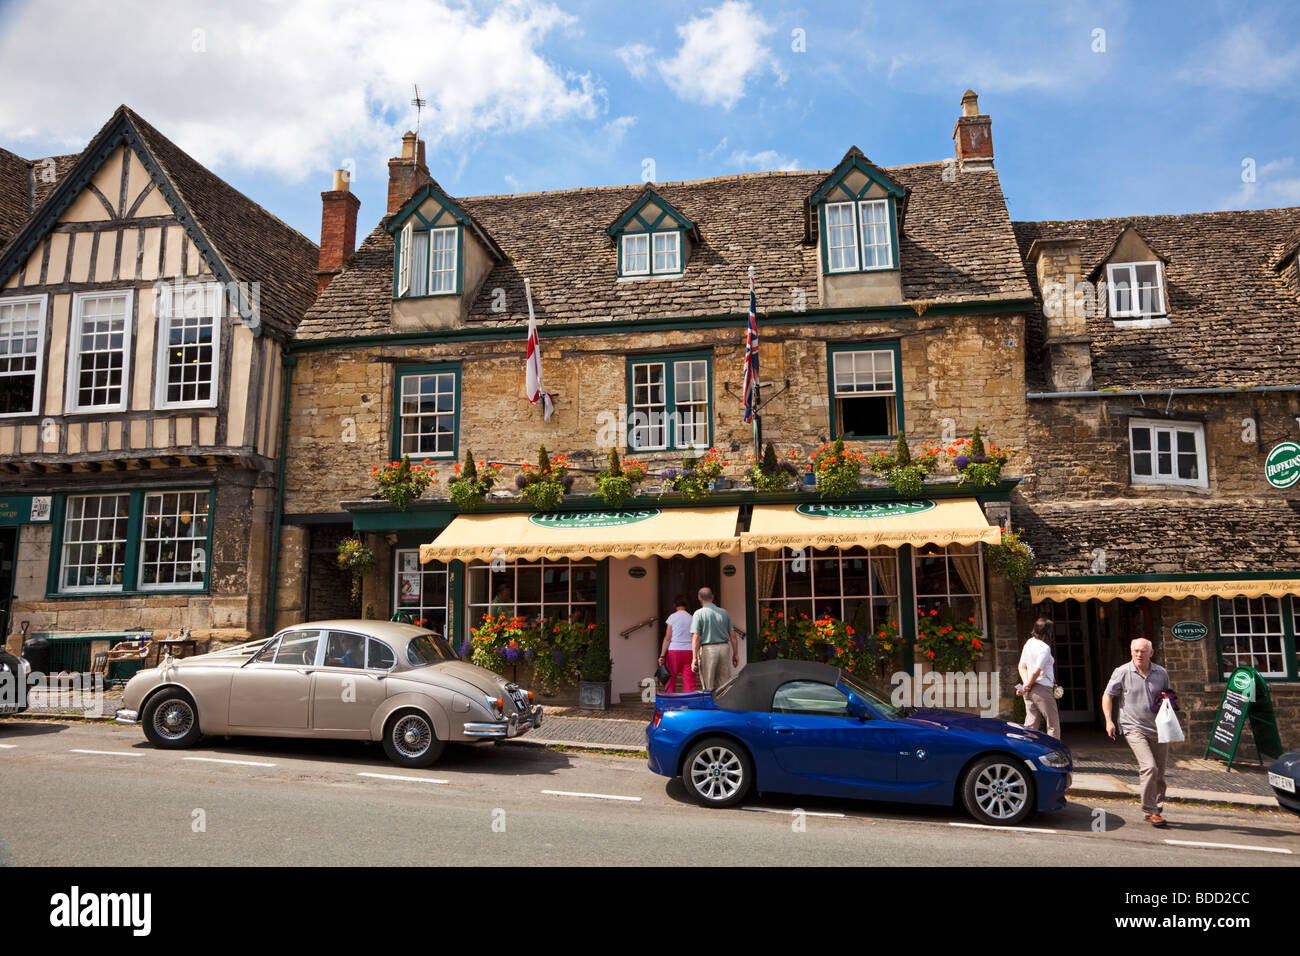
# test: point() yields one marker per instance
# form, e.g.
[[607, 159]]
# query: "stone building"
[[1163, 406], [144, 307], [889, 299]]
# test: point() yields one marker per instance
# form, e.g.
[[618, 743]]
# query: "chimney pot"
[[973, 135], [407, 172], [338, 230], [970, 104], [341, 180]]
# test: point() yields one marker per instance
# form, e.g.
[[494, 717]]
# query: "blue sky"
[[1098, 109]]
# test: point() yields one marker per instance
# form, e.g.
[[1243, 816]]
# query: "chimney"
[[973, 135], [338, 229], [1067, 303], [406, 173]]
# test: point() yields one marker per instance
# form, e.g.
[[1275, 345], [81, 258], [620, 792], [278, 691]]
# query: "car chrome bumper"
[[126, 717], [512, 726]]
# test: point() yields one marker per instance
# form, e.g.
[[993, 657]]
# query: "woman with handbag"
[[675, 655], [1038, 679]]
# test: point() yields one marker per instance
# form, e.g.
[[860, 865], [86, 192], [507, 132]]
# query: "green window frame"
[[415, 280], [652, 237], [864, 215], [665, 372], [1249, 610], [847, 386], [130, 555], [409, 395]]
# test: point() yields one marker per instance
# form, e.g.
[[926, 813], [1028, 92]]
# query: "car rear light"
[[659, 715], [530, 697]]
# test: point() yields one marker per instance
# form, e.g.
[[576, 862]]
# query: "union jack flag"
[[751, 356]]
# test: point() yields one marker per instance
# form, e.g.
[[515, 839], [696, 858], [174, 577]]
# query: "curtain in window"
[[967, 567], [886, 568], [767, 572]]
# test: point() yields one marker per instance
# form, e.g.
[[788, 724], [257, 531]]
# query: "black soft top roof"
[[753, 688]]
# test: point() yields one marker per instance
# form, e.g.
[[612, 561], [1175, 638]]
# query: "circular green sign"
[[1242, 681], [1190, 631], [581, 520], [1282, 466], [884, 509]]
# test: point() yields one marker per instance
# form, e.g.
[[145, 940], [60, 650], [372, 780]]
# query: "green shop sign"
[[1246, 701], [582, 520], [23, 509], [1282, 466], [889, 509], [1190, 631]]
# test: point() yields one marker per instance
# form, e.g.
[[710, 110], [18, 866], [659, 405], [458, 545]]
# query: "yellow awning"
[[891, 524], [1155, 590], [639, 533]]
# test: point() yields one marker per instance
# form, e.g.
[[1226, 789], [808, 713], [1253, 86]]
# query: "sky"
[[1098, 109]]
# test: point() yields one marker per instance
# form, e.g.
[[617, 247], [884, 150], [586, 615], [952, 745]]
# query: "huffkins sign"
[[1282, 466]]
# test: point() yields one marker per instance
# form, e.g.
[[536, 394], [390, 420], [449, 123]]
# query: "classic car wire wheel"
[[173, 719], [717, 773], [1001, 791], [412, 736]]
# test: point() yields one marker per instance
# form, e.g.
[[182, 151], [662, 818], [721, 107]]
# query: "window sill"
[[1141, 322], [849, 272], [1180, 486], [118, 592], [430, 295], [651, 276]]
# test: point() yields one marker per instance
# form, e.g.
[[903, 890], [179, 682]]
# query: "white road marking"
[[8, 746], [596, 796], [1229, 846], [242, 763], [989, 826], [807, 813], [393, 776], [110, 753]]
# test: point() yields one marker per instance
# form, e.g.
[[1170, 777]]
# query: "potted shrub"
[[594, 688], [619, 480], [697, 477], [771, 474], [544, 485], [837, 468], [1014, 560], [400, 482], [358, 560], [470, 484], [559, 654], [949, 645], [975, 465], [905, 473]]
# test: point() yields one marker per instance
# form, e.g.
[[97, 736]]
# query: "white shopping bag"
[[1168, 730]]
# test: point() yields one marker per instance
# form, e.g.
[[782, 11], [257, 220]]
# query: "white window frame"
[[1255, 607], [200, 494], [784, 558], [838, 393], [1154, 425], [676, 251], [1136, 311], [404, 260], [649, 254], [407, 567], [853, 231], [455, 259], [40, 352], [481, 569], [74, 353], [403, 418], [649, 409], [166, 307], [64, 544], [889, 234]]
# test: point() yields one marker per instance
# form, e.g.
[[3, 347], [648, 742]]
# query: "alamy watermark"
[[67, 694], [201, 298], [934, 689]]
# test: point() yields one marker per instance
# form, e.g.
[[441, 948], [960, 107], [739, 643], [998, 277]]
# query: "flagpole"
[[758, 388]]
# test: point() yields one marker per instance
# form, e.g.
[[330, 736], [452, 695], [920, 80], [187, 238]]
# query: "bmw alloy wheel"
[[173, 719], [412, 736], [1001, 791], [717, 773]]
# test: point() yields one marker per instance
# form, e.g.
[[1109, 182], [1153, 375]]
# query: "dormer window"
[[652, 237], [439, 250], [1136, 290], [859, 207], [426, 260]]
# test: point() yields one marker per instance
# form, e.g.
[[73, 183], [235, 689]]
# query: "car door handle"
[[782, 729], [306, 670]]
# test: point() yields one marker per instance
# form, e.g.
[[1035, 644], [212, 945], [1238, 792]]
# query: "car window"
[[298, 647], [810, 697], [345, 650], [267, 653], [379, 655], [428, 649], [870, 697]]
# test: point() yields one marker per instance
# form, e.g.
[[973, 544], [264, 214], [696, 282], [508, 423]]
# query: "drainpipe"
[[1166, 391], [288, 361]]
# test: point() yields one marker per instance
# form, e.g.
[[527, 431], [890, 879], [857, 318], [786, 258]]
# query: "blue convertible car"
[[798, 727]]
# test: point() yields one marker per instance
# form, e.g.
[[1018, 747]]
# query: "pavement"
[[1102, 768]]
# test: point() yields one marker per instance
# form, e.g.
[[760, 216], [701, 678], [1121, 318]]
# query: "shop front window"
[[420, 590], [856, 585], [1250, 635], [535, 590], [950, 576]]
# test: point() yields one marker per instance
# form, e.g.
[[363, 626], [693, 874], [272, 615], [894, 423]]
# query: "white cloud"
[[636, 57], [765, 161], [294, 87], [617, 129], [720, 52], [1248, 57], [1272, 187]]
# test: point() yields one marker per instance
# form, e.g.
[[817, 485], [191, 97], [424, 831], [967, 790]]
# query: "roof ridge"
[[1132, 219]]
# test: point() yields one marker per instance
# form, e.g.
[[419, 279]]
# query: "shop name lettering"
[[1208, 588], [1279, 466], [592, 516], [73, 909], [968, 689]]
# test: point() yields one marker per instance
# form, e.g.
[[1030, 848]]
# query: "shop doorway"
[[685, 577], [329, 587], [1072, 651], [8, 556]]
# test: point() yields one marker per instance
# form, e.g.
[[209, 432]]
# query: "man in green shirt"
[[711, 632]]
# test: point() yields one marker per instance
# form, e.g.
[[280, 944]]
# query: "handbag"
[[1058, 691], [662, 674], [1168, 730]]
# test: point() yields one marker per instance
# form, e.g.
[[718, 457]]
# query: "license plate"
[[1281, 782]]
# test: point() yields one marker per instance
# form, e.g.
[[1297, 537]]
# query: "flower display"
[[470, 484], [838, 469], [400, 482], [951, 645], [697, 475]]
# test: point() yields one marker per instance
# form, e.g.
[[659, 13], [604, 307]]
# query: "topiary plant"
[[596, 665]]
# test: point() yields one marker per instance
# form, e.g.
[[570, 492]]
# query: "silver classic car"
[[352, 680]]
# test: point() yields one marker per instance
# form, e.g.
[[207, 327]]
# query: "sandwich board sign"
[[1245, 698]]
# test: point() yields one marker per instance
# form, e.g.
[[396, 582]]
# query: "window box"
[[1167, 453]]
